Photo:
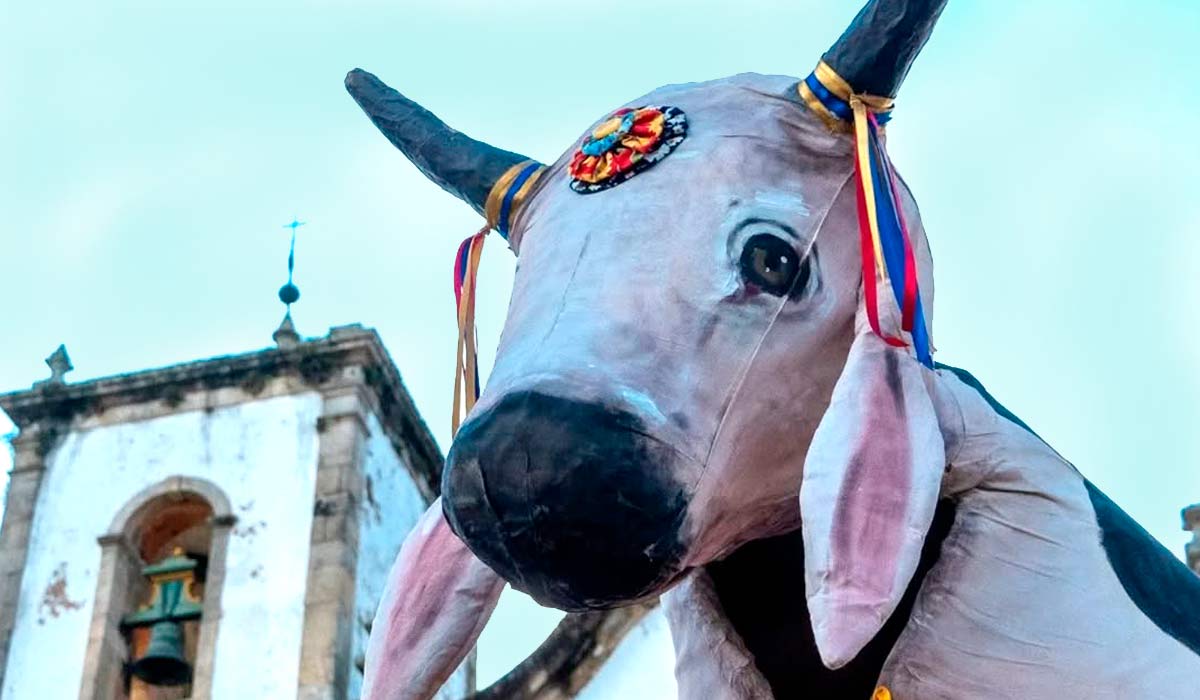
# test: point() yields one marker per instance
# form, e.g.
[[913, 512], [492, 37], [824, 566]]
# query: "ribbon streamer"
[[886, 246], [466, 372], [506, 196]]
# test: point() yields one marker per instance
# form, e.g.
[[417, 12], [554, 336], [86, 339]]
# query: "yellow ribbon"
[[465, 371], [491, 208], [860, 105], [841, 89], [465, 387]]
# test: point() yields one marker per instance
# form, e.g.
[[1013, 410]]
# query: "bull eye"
[[773, 265]]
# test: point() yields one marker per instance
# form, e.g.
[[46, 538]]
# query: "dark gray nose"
[[571, 502]]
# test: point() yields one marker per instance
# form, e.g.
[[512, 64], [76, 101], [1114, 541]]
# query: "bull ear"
[[871, 483], [438, 598]]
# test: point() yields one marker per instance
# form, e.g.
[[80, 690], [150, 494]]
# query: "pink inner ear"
[[868, 522], [437, 601], [429, 570], [872, 478]]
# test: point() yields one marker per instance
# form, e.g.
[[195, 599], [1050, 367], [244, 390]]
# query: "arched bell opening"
[[158, 594], [173, 536]]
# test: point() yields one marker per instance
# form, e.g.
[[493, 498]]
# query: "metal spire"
[[285, 336], [290, 293]]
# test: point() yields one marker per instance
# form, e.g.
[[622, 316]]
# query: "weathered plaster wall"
[[642, 666], [391, 505], [263, 454]]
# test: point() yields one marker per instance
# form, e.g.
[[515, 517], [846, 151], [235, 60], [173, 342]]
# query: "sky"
[[150, 154]]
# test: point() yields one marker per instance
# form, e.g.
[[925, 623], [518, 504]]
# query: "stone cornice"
[[349, 355]]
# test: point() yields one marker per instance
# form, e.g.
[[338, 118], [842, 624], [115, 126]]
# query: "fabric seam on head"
[[736, 389]]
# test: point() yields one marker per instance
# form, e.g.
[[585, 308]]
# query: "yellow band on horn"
[[818, 107], [495, 207], [829, 96], [834, 82]]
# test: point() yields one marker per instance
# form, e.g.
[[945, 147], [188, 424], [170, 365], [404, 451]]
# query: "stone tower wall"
[[262, 455], [312, 458]]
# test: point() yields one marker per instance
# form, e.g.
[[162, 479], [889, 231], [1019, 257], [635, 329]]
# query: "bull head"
[[672, 343]]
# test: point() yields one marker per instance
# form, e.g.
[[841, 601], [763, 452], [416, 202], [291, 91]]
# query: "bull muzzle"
[[572, 502]]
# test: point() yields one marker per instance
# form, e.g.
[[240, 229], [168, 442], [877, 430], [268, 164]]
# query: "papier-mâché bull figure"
[[715, 383]]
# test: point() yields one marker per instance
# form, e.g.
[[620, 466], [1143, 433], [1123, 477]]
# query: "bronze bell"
[[164, 662], [171, 603]]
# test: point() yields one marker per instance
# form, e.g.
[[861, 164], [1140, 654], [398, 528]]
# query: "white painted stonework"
[[262, 454], [390, 507]]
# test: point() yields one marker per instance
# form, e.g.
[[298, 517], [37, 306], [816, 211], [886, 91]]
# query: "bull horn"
[[464, 167], [876, 51]]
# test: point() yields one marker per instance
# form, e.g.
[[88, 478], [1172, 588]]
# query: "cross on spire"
[[296, 223]]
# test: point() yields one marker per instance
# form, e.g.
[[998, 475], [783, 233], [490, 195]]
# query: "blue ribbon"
[[513, 189], [836, 105]]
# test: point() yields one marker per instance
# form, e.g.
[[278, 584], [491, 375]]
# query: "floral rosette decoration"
[[623, 145]]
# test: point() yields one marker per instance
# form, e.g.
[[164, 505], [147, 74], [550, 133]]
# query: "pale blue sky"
[[150, 152]]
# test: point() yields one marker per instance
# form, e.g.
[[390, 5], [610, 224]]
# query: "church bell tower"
[[210, 530], [215, 529]]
